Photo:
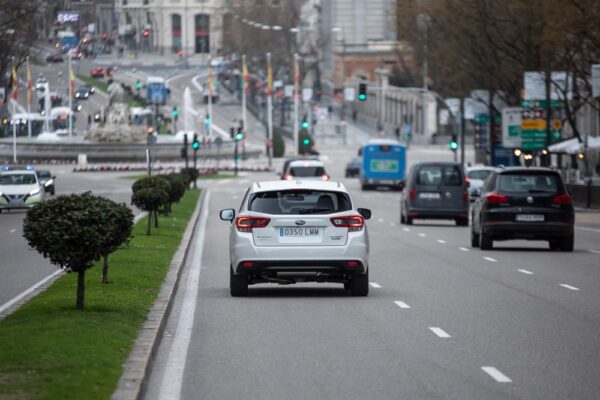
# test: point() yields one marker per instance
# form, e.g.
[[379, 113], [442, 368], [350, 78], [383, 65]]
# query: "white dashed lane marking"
[[441, 241], [375, 285], [524, 271], [568, 287], [490, 259], [406, 229], [13, 230], [497, 375], [401, 304], [463, 249], [380, 220], [392, 224], [440, 332], [423, 234], [594, 251]]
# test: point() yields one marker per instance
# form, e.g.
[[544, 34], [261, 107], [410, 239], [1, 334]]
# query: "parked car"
[[288, 232], [523, 203], [435, 190], [46, 180], [98, 72]]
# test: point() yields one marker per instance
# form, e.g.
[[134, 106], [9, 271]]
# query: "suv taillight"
[[412, 193], [246, 224], [562, 199], [495, 198], [354, 223]]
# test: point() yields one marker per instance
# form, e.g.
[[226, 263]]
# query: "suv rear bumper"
[[518, 230], [300, 266]]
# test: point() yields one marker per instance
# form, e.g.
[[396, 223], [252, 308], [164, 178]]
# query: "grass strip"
[[51, 351], [98, 84]]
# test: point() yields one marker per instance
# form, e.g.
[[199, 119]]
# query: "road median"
[[50, 350]]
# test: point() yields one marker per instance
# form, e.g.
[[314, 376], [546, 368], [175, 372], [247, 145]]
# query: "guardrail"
[[587, 196]]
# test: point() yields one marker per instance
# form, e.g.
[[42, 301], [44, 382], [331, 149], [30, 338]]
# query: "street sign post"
[[511, 127]]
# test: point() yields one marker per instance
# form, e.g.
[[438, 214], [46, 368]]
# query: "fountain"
[[118, 127], [189, 115]]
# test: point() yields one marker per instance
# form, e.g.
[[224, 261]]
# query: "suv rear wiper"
[[313, 210]]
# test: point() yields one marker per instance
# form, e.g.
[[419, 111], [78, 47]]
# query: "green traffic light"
[[306, 141], [362, 97], [196, 145], [239, 136], [304, 125], [453, 145]]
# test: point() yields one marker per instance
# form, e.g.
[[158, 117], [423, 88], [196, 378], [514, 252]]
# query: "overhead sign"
[[511, 127], [349, 93], [596, 80], [533, 128], [67, 16]]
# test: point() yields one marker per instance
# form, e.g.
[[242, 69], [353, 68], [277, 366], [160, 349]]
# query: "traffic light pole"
[[235, 158], [195, 154], [462, 130]]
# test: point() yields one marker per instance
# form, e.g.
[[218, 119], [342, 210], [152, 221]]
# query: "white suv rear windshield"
[[293, 202], [307, 171]]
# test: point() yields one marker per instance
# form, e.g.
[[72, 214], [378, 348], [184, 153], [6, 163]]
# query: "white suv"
[[306, 170], [298, 231]]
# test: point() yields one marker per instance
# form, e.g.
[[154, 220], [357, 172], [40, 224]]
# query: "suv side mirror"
[[227, 214], [365, 212]]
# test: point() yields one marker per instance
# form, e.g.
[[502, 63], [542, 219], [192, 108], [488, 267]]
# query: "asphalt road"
[[23, 267], [442, 320]]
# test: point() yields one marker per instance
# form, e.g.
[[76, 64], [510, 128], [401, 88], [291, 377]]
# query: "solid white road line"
[[568, 286], [587, 229], [524, 271], [441, 241], [375, 285], [401, 304], [406, 229], [463, 249], [490, 259], [594, 251], [16, 299], [423, 234], [170, 388], [440, 332], [497, 375]]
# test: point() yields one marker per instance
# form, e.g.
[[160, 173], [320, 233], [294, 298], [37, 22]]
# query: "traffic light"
[[232, 133], [239, 135], [175, 113], [146, 32], [5, 121], [195, 143], [362, 91], [453, 143], [138, 86], [184, 152], [306, 141], [304, 124]]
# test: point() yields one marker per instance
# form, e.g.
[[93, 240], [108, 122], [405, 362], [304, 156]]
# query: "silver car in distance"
[[298, 231]]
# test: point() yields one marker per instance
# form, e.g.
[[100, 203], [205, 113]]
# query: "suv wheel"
[[238, 284], [474, 239], [485, 241], [568, 243], [359, 286], [409, 220]]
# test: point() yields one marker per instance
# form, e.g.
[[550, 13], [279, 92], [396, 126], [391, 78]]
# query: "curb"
[[136, 369]]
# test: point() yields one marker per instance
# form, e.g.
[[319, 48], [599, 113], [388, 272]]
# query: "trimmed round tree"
[[176, 190], [190, 174], [158, 184], [149, 200], [70, 232], [119, 219]]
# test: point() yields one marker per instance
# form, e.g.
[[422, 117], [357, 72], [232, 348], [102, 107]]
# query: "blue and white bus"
[[383, 164], [157, 90]]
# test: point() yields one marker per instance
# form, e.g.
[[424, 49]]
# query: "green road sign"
[[534, 104]]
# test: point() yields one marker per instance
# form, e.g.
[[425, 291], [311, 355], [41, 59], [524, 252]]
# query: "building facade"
[[171, 26]]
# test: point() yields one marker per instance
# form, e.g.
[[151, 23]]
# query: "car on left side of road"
[[527, 203], [55, 58], [19, 189], [288, 232], [46, 180], [98, 72]]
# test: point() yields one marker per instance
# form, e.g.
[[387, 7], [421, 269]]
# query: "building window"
[[176, 32], [124, 2], [146, 2], [202, 33]]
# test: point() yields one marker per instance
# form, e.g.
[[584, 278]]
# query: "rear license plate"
[[530, 218], [298, 232], [429, 196]]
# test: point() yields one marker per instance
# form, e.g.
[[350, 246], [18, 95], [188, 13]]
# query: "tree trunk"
[[105, 269], [156, 219], [149, 223], [80, 289]]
